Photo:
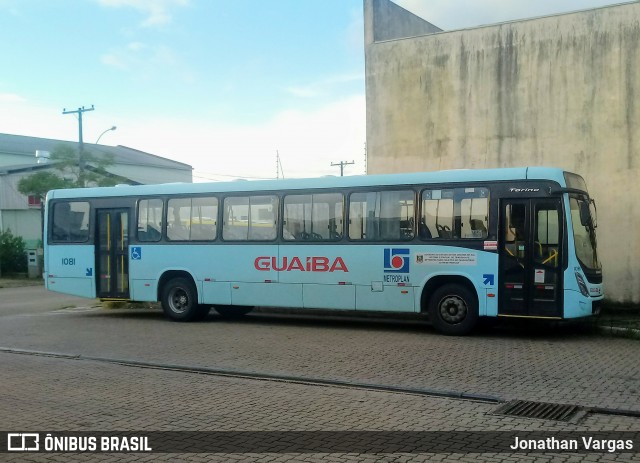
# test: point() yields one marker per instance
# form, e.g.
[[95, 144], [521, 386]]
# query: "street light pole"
[[108, 130]]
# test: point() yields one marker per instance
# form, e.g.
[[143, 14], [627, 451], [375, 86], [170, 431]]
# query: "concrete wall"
[[390, 21], [558, 91]]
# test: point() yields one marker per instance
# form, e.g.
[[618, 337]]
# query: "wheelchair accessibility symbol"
[[136, 253]]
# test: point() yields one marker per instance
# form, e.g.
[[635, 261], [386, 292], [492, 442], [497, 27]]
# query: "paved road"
[[559, 365], [36, 300]]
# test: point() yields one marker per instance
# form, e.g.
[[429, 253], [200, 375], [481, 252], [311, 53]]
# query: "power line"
[[207, 176]]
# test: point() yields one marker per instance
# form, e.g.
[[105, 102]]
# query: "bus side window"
[[250, 218], [70, 222], [382, 215], [547, 235], [436, 220], [514, 232], [61, 218], [179, 219], [313, 217], [460, 213], [150, 219], [204, 217], [474, 212]]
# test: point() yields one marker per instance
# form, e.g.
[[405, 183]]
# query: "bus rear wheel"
[[453, 310], [180, 301]]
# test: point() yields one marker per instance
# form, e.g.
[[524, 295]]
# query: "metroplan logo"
[[396, 260]]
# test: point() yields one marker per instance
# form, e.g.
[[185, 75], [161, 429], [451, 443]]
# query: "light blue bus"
[[458, 245]]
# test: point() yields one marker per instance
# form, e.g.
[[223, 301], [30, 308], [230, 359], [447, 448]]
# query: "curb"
[[616, 331]]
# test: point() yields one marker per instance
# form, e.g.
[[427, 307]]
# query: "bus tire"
[[180, 300], [232, 311], [453, 310]]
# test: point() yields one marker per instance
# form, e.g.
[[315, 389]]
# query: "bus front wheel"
[[180, 301], [453, 310]]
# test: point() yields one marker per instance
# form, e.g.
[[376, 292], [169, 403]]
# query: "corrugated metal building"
[[21, 214]]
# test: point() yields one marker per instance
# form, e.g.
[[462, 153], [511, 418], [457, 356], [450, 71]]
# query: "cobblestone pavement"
[[44, 393], [76, 395]]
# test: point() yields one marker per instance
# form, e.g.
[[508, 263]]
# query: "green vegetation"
[[12, 254], [19, 282], [71, 171], [620, 320]]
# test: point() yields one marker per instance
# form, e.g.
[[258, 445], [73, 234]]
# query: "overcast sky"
[[219, 84]]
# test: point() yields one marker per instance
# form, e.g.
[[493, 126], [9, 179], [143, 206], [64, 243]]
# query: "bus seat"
[[202, 232], [424, 231], [477, 225]]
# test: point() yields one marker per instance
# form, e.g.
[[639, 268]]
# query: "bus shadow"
[[414, 323], [418, 323], [328, 319], [410, 323], [536, 329]]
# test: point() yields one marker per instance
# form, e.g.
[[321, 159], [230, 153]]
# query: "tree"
[[39, 183], [71, 171], [85, 169]]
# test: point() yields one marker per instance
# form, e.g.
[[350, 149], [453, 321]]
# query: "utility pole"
[[79, 112], [366, 163], [342, 164], [279, 170]]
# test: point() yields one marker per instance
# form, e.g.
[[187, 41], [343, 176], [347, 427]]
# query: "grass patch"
[[619, 320], [19, 281], [129, 305]]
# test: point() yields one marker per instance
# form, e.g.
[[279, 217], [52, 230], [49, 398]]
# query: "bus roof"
[[437, 177]]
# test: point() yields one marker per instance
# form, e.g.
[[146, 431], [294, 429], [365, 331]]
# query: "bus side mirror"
[[585, 214]]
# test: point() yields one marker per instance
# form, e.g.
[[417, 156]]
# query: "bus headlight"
[[582, 285]]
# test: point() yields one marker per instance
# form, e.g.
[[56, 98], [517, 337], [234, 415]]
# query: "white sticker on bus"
[[490, 245], [447, 258]]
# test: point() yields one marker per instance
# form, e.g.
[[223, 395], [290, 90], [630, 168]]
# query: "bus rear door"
[[530, 274], [112, 254]]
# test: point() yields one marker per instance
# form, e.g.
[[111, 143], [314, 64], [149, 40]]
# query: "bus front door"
[[530, 274], [112, 259]]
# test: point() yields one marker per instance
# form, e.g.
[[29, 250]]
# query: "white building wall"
[[24, 223]]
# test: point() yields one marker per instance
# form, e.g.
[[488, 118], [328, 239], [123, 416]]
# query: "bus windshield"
[[584, 235]]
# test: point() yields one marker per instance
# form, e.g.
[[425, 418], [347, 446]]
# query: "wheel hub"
[[180, 301], [453, 309]]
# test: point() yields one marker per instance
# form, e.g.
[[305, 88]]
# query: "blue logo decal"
[[136, 253], [396, 260], [89, 272], [489, 278]]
